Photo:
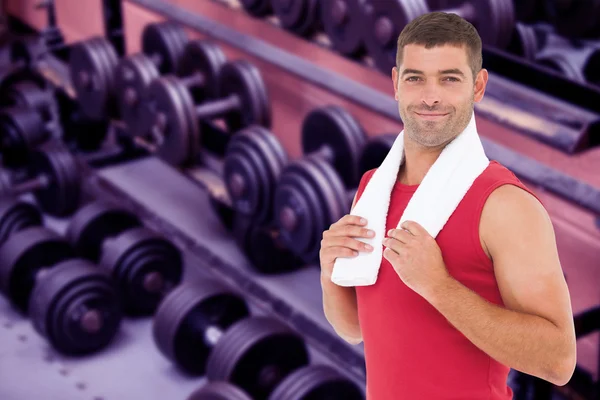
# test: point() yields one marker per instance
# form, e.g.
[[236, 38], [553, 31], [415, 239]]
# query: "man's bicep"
[[520, 238]]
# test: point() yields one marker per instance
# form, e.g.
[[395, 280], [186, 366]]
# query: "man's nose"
[[430, 95]]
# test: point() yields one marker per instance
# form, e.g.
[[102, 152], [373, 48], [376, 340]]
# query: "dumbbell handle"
[[325, 152], [217, 108], [193, 80], [157, 139], [156, 59], [29, 185]]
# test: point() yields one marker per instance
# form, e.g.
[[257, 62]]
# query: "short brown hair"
[[440, 28]]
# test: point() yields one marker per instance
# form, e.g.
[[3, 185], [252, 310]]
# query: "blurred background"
[[168, 168]]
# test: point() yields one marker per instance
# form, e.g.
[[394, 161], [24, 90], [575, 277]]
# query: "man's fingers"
[[344, 241], [339, 251], [349, 220]]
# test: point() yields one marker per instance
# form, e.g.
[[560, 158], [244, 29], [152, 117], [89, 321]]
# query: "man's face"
[[436, 93]]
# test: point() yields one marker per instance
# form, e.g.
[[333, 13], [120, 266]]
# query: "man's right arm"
[[340, 307]]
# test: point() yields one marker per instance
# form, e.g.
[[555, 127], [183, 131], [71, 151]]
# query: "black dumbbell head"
[[255, 354], [167, 40], [169, 108], [244, 80], [23, 255], [310, 196], [92, 64], [341, 21], [253, 161], [61, 196], [203, 57], [263, 246], [24, 86], [93, 223], [375, 151], [75, 306], [316, 382], [16, 215], [21, 129], [219, 391], [336, 128], [187, 313], [257, 8], [144, 265], [132, 76], [300, 17]]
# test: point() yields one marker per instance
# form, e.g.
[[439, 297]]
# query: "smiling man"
[[448, 317]]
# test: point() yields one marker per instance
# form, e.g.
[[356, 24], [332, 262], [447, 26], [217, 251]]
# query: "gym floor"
[[132, 365]]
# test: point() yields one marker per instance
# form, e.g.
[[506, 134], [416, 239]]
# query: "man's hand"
[[416, 258], [340, 241]]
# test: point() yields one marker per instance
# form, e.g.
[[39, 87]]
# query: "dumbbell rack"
[[101, 376]]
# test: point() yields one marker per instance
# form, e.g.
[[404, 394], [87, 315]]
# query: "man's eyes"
[[446, 78]]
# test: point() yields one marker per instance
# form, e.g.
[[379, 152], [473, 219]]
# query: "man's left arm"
[[534, 333]]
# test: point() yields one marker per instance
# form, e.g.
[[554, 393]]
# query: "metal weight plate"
[[341, 20], [204, 59], [185, 315], [242, 79], [169, 105], [219, 391], [6, 182], [383, 26], [263, 246], [91, 76], [523, 42], [21, 130], [299, 16], [144, 265], [165, 40], [23, 255], [573, 19], [74, 305], [375, 151], [257, 8], [28, 94], [93, 223], [16, 215], [316, 382], [132, 77], [254, 159], [61, 196], [255, 354], [19, 82], [309, 197], [335, 128], [495, 21]]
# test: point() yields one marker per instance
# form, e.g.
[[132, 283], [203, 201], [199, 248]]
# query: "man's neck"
[[417, 161]]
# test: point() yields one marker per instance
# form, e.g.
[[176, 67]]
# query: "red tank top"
[[411, 350]]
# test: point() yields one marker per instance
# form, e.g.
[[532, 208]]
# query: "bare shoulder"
[[519, 236], [511, 210]]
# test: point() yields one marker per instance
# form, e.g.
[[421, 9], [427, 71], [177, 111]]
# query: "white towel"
[[436, 198]]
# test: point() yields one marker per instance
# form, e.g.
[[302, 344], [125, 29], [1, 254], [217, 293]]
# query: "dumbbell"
[[53, 177], [578, 65], [574, 19], [16, 215], [528, 40], [29, 115], [342, 21], [257, 8], [143, 264], [70, 301], [163, 45], [253, 160], [92, 63], [262, 244], [313, 382], [206, 329], [494, 20], [311, 191], [175, 120]]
